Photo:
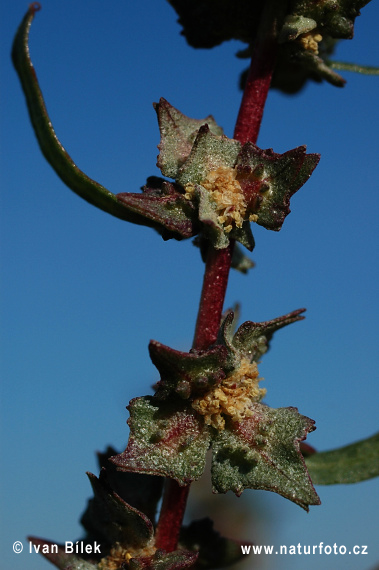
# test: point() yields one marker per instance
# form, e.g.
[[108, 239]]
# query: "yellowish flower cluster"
[[233, 397], [226, 193], [310, 41], [120, 555]]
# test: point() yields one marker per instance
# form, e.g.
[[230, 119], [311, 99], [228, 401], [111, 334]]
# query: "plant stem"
[[219, 260], [212, 296], [260, 73], [171, 516]]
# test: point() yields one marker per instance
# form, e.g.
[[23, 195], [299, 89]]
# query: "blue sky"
[[83, 293]]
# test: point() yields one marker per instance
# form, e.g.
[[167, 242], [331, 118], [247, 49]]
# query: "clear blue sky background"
[[83, 293]]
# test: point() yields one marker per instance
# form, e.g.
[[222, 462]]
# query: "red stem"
[[207, 327], [212, 296], [260, 74], [219, 260], [255, 93], [171, 517]]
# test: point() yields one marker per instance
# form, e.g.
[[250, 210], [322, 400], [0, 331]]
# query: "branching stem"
[[219, 260]]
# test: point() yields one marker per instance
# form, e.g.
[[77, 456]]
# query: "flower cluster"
[[211, 398], [227, 183]]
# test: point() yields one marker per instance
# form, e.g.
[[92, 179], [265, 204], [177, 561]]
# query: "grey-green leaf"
[[262, 452], [351, 464], [166, 438], [208, 153], [178, 133]]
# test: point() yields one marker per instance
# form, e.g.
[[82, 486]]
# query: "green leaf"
[[252, 339], [351, 464], [336, 18], [209, 152], [143, 492], [166, 438], [207, 24], [165, 209], [50, 146], [294, 26], [354, 67], [269, 179], [178, 133], [228, 184], [110, 519], [188, 373], [262, 452]]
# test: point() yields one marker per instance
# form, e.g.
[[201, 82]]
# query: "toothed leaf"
[[269, 179], [178, 133], [110, 519], [262, 452], [209, 152], [252, 339], [165, 209], [142, 492], [166, 438], [205, 26], [188, 373], [336, 18]]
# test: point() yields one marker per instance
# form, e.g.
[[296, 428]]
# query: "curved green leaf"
[[351, 464], [48, 141], [162, 207]]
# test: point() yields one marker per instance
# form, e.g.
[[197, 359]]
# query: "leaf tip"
[[35, 7]]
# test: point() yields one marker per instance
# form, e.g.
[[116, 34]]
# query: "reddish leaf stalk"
[[219, 260]]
